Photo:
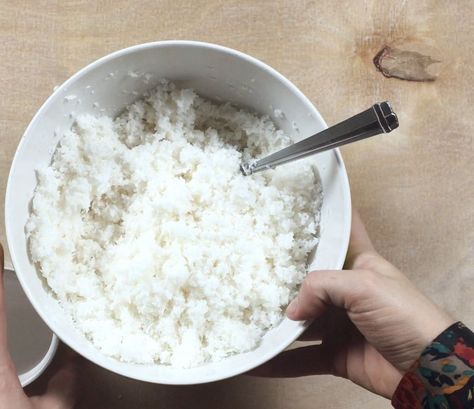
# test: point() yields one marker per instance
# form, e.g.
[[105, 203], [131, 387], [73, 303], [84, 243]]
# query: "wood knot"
[[404, 65]]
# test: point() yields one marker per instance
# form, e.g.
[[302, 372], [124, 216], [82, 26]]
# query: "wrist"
[[443, 374], [428, 328], [435, 326]]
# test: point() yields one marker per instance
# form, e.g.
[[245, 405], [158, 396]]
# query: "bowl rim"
[[107, 364], [31, 375]]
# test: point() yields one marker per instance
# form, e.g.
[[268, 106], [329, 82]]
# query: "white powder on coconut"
[[155, 243]]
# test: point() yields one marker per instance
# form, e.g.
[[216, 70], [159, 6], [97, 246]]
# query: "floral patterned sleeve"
[[443, 376]]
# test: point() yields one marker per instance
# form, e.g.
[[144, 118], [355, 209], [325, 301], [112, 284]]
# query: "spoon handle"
[[380, 118]]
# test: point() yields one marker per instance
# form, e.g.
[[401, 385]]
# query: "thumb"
[[320, 289]]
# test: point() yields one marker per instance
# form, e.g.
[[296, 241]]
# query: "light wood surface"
[[413, 187]]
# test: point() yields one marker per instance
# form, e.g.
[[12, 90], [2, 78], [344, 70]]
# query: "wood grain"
[[413, 187]]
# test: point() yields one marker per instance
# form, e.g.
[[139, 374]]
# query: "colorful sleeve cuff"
[[443, 376]]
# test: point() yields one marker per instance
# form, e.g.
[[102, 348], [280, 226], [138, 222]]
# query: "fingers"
[[9, 382], [321, 289], [61, 392], [5, 360], [360, 242], [310, 360]]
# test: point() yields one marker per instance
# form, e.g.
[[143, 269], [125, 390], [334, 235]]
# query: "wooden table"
[[414, 187]]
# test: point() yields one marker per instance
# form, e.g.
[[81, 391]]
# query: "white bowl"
[[31, 343], [110, 84]]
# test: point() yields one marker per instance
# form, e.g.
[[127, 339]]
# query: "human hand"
[[61, 387], [372, 321]]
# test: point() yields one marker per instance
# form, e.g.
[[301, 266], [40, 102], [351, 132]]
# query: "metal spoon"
[[378, 119]]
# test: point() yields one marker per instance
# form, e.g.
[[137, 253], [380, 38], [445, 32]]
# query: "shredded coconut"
[[153, 241]]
